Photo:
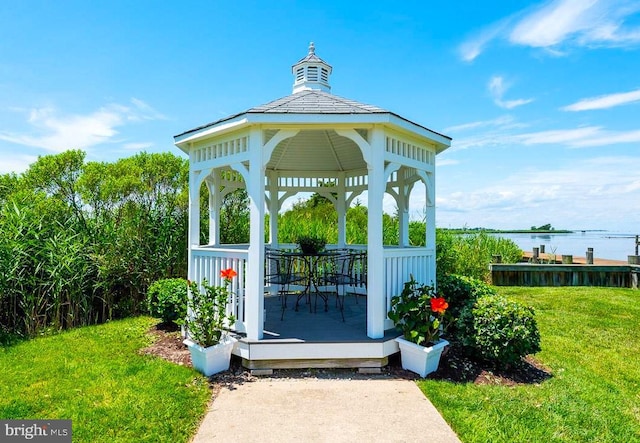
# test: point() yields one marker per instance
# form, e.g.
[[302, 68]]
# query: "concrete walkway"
[[323, 410]]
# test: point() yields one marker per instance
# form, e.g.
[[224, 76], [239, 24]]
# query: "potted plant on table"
[[207, 323], [419, 313], [312, 244]]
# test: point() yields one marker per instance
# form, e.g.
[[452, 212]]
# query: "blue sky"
[[542, 99]]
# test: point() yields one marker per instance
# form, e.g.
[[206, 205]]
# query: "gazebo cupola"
[[311, 72]]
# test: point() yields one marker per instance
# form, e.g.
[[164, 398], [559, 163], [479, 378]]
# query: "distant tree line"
[[546, 227]]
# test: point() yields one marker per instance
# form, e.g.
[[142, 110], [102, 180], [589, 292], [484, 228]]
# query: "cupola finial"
[[311, 73]]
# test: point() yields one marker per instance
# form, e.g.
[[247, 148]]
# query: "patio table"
[[314, 264]]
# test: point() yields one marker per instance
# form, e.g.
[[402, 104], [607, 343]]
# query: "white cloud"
[[558, 23], [560, 136], [471, 48], [446, 162], [491, 138], [496, 132], [588, 136], [146, 111], [56, 132], [606, 138], [554, 23], [505, 121], [583, 137], [593, 193], [498, 87], [137, 146], [12, 162], [604, 101], [510, 104]]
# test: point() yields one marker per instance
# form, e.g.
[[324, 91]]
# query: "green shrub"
[[470, 253], [459, 291], [167, 299], [446, 253], [312, 244], [498, 330]]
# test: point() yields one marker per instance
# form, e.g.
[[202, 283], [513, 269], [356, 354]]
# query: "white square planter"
[[213, 359], [420, 359]]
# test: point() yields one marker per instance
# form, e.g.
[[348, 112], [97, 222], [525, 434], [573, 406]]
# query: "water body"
[[605, 244]]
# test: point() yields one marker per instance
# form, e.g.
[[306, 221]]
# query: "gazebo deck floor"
[[310, 338], [317, 325]]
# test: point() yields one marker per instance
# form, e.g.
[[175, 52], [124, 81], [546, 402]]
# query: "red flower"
[[439, 305], [228, 273]]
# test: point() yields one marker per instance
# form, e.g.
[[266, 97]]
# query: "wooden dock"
[[527, 256], [543, 269]]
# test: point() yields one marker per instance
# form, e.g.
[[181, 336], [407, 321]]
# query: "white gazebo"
[[296, 144]]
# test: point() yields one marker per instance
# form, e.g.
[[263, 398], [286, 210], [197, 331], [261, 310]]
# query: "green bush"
[[459, 291], [312, 244], [470, 253], [167, 299], [498, 330]]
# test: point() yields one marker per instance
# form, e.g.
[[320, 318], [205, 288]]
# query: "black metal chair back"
[[283, 269], [348, 269]]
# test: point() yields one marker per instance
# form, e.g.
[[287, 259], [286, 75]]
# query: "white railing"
[[208, 261], [401, 263]]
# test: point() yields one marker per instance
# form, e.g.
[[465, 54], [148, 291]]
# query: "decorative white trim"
[[356, 137], [273, 142], [402, 148], [437, 141]]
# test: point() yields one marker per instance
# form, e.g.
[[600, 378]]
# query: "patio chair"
[[341, 274], [359, 273], [282, 270]]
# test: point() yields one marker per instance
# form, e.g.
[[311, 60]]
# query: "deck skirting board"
[[274, 354], [316, 363]]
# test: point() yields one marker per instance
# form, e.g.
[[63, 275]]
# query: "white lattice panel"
[[221, 149], [403, 148]]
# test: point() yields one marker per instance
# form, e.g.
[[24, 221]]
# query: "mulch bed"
[[458, 368], [167, 344], [454, 366]]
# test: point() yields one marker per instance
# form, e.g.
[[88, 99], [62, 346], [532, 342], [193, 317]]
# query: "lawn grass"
[[591, 343], [96, 377]]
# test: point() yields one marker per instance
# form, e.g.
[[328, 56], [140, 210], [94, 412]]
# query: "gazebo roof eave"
[[238, 121]]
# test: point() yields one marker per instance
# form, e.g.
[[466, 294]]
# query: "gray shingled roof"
[[311, 57], [315, 102], [305, 102], [310, 102]]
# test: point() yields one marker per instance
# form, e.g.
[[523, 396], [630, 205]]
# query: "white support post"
[[341, 209], [254, 294], [215, 203], [274, 207], [376, 297], [430, 222], [194, 219], [403, 210]]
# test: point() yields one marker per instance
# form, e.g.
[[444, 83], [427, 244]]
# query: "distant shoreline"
[[514, 231]]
